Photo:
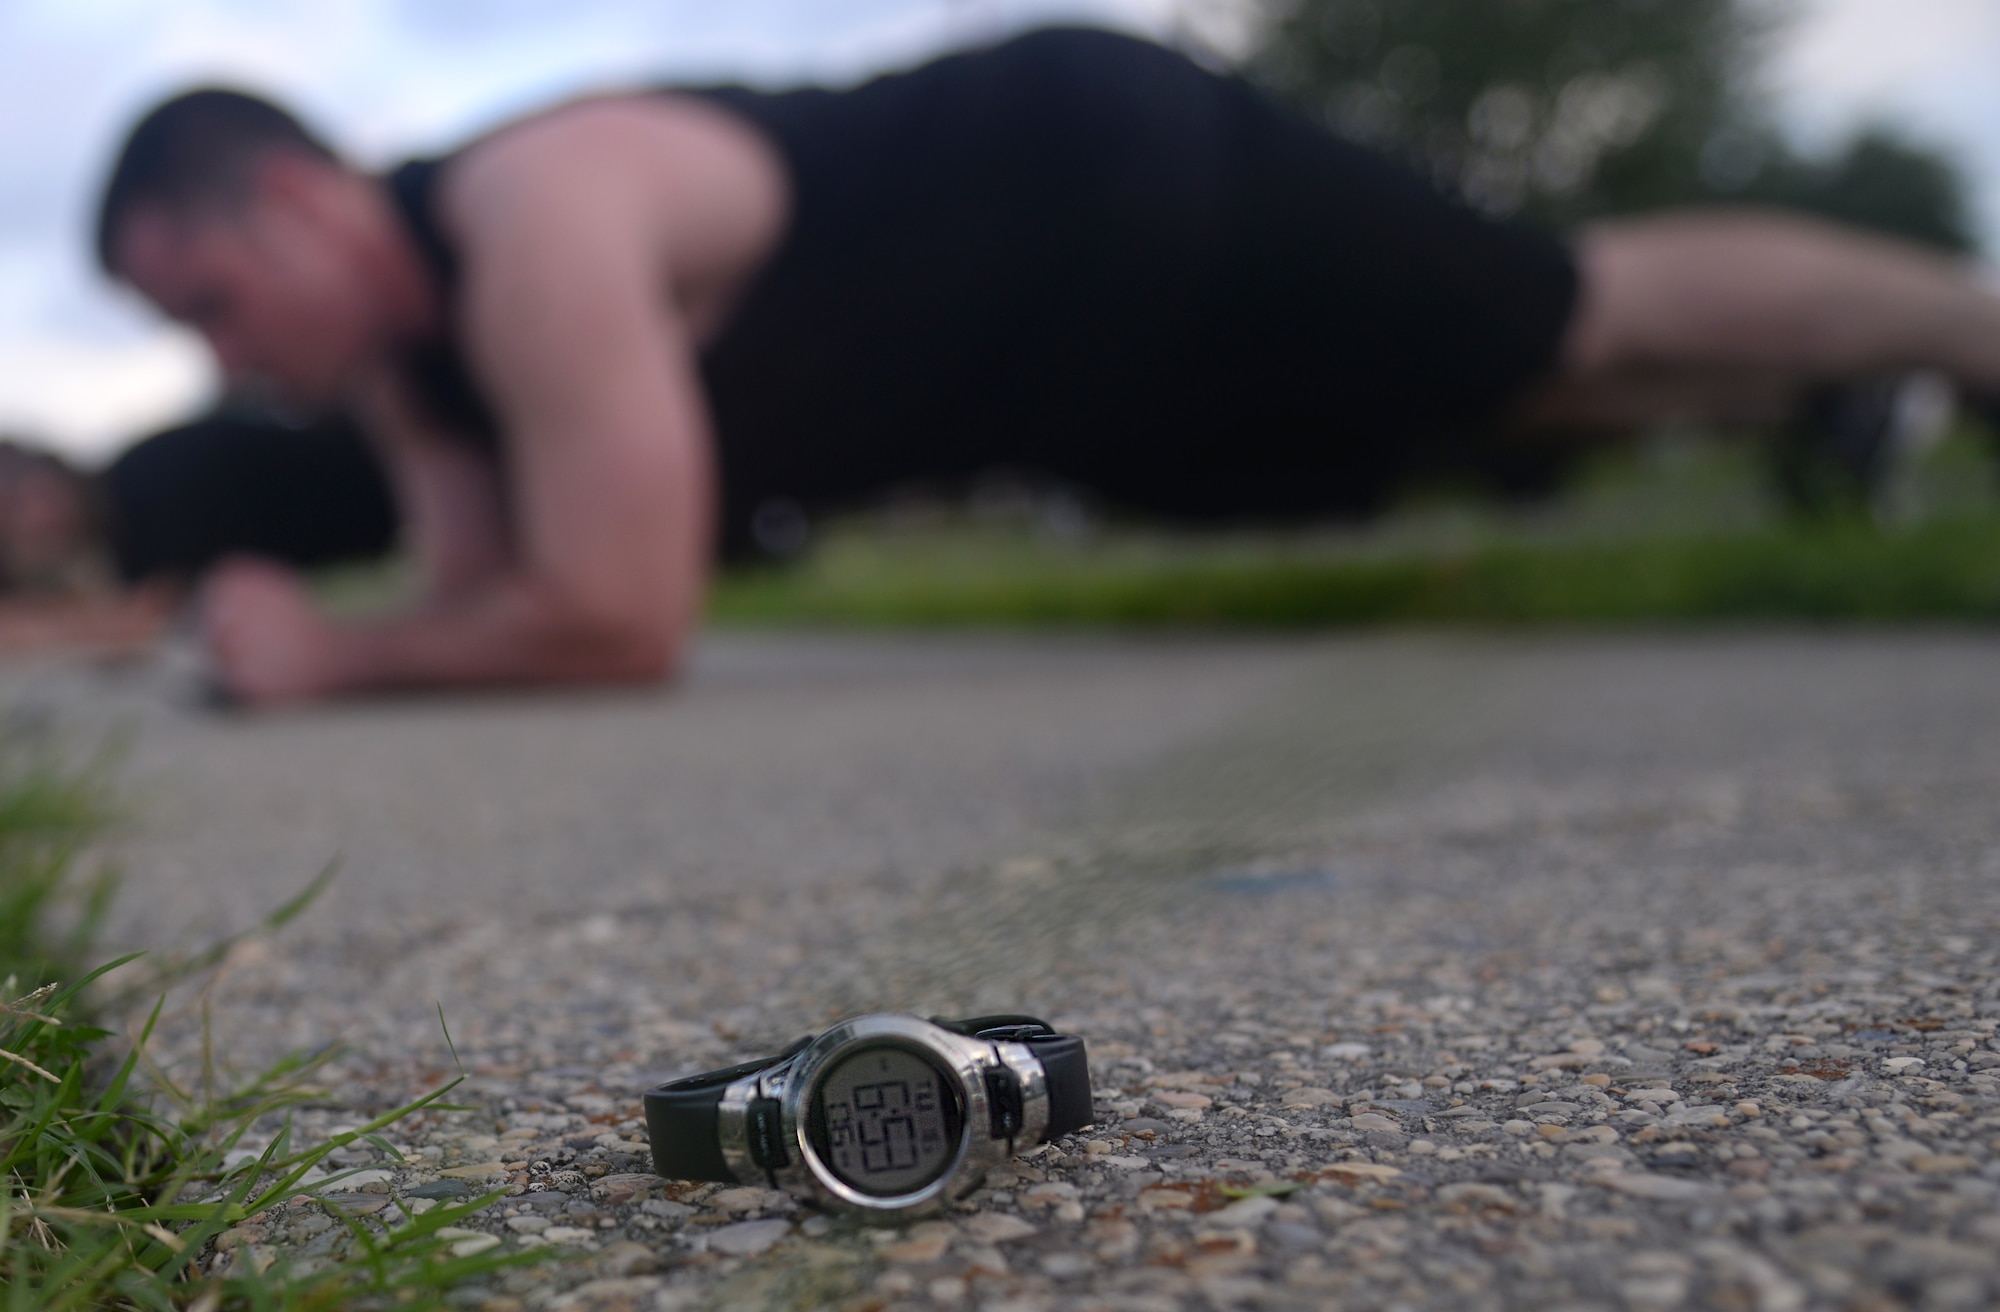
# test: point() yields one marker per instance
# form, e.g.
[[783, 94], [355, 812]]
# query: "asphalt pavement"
[[1451, 970]]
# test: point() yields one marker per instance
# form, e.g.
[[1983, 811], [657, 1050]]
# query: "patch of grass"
[[115, 1181], [1671, 534], [49, 910], [1946, 571]]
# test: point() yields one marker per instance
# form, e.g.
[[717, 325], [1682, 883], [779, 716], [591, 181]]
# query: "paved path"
[[1620, 972]]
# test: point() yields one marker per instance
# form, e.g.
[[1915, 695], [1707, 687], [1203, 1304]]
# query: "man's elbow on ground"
[[652, 658], [615, 646]]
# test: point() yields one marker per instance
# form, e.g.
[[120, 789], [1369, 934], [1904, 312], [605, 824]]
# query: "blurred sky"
[[79, 363]]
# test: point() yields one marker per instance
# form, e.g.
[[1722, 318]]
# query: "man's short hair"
[[199, 148]]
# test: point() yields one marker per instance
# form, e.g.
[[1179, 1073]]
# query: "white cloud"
[[92, 398], [1925, 66], [1863, 50]]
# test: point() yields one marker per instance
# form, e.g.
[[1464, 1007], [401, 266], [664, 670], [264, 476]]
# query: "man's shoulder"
[[677, 164], [659, 187], [661, 143]]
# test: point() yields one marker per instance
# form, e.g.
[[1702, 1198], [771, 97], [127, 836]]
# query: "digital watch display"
[[886, 1120], [881, 1114]]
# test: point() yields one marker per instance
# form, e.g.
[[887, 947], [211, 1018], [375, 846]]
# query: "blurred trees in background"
[[1880, 180], [1566, 110]]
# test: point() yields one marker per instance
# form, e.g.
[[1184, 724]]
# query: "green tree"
[[1570, 109], [1560, 108], [1880, 180]]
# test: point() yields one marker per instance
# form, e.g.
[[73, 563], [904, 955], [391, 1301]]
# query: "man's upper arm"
[[570, 324], [447, 491], [453, 516]]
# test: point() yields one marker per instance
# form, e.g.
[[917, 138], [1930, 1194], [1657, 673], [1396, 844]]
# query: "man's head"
[[231, 217]]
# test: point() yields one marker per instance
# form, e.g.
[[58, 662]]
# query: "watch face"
[[886, 1120]]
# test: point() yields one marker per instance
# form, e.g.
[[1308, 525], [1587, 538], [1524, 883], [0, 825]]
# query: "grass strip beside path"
[[116, 1182], [1940, 570]]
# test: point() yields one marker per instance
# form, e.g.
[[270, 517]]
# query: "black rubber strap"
[[1068, 1074], [681, 1114], [681, 1120], [983, 1026], [1064, 1064]]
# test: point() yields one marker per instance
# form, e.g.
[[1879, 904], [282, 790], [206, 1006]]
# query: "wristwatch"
[[884, 1115]]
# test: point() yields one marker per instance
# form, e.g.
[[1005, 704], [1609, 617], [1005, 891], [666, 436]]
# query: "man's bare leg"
[[1730, 315]]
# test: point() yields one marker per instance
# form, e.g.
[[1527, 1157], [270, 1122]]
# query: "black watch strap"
[[1064, 1064], [1068, 1075], [681, 1115], [681, 1120]]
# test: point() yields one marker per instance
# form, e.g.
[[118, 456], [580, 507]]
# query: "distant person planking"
[[590, 346], [101, 560]]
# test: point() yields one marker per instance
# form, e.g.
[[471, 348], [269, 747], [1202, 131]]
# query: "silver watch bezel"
[[793, 1084]]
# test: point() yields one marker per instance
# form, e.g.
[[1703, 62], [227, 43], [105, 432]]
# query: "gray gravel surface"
[[1417, 971]]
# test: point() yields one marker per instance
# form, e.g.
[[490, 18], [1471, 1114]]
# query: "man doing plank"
[[590, 344]]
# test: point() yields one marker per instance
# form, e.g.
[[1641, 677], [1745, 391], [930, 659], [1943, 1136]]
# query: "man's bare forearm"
[[509, 632]]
